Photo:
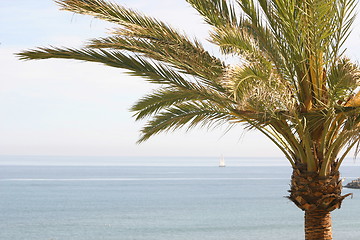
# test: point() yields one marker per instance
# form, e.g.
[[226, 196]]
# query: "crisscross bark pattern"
[[317, 196], [318, 225], [310, 192]]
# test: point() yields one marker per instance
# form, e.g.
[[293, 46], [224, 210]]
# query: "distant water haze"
[[25, 160], [157, 202]]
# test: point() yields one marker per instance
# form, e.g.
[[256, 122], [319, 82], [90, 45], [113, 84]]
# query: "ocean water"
[[158, 203]]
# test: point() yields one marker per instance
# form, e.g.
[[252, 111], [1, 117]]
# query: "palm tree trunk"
[[317, 196], [318, 225]]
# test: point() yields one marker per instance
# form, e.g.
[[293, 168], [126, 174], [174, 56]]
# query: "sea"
[[157, 198]]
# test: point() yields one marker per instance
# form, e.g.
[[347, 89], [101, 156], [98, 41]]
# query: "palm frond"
[[343, 79], [187, 114], [148, 36], [166, 97], [217, 13], [292, 82], [194, 61], [255, 86], [137, 66], [345, 16], [160, 99]]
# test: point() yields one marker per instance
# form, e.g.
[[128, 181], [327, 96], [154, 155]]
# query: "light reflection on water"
[[145, 203]]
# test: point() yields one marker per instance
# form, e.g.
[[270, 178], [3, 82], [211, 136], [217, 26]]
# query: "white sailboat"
[[222, 162]]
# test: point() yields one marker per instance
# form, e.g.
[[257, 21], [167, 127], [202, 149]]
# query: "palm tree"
[[292, 81]]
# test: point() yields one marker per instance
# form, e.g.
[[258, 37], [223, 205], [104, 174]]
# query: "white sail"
[[222, 162]]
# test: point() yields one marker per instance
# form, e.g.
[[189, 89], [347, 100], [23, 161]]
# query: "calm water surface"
[[162, 203]]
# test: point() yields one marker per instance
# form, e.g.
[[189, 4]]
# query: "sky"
[[62, 107]]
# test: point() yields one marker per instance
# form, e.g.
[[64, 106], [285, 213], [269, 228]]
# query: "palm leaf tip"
[[46, 53], [29, 55], [281, 70]]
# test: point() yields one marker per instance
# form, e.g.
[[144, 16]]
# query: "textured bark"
[[318, 225], [311, 192], [317, 196]]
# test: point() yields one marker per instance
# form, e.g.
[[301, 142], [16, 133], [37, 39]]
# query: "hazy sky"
[[62, 107]]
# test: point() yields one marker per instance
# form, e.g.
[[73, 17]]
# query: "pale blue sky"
[[60, 107]]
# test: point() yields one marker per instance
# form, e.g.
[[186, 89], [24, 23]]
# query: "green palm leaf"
[[291, 83], [186, 114]]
